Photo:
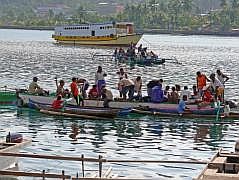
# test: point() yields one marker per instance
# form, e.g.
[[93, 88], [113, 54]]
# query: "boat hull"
[[154, 107], [8, 161], [8, 98], [122, 40]]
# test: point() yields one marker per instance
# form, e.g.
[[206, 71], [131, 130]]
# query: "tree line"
[[168, 15]]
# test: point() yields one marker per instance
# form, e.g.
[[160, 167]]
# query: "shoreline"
[[145, 31]]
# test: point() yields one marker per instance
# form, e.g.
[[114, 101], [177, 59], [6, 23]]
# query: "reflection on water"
[[32, 53]]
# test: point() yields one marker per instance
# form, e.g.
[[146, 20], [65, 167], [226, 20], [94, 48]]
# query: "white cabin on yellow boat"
[[105, 34]]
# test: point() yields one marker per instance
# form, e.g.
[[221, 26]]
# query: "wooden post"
[[43, 174], [100, 166], [82, 166], [63, 174]]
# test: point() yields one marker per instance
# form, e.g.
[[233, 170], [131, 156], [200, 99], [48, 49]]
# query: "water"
[[24, 54]]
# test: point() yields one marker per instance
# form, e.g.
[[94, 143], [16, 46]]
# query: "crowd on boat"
[[134, 52], [205, 92]]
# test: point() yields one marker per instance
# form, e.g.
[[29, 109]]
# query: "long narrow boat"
[[7, 97], [159, 107], [76, 111], [223, 166], [9, 162], [193, 114]]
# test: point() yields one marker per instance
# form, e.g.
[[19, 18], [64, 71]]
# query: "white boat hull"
[[99, 103]]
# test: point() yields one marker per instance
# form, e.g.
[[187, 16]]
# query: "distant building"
[[56, 8], [104, 8]]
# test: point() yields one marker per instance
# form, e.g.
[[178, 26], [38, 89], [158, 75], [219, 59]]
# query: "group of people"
[[131, 53], [206, 90]]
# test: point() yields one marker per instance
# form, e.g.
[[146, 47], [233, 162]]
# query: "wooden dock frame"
[[223, 166]]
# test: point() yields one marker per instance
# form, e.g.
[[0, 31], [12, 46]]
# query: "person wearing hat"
[[34, 88]]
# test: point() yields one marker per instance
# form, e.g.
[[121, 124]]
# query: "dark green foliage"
[[215, 15]]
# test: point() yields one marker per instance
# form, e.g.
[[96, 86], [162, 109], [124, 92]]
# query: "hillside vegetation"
[[171, 15]]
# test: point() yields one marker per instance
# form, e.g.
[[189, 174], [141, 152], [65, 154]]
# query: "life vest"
[[201, 81]]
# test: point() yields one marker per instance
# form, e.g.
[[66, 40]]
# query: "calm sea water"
[[24, 54]]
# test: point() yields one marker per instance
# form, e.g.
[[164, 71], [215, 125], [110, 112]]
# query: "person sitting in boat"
[[100, 79], [93, 93], [107, 96], [150, 85], [173, 98], [60, 89], [75, 92], [207, 97], [34, 88], [157, 94], [166, 92], [227, 109], [127, 87], [217, 86], [182, 108], [186, 92], [138, 87], [153, 55], [195, 94], [58, 103]]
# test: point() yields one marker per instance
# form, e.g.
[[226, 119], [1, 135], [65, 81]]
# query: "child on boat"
[[93, 93], [58, 103], [182, 105]]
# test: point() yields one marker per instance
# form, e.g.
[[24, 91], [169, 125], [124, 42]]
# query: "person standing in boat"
[[100, 79], [222, 77], [182, 106], [217, 86], [201, 82], [75, 92], [121, 74], [138, 87]]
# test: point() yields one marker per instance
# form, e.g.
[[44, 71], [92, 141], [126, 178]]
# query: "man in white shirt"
[[217, 87]]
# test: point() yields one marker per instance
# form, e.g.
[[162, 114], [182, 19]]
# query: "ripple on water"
[[32, 53]]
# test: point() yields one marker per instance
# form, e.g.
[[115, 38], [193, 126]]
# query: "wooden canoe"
[[189, 115], [223, 166]]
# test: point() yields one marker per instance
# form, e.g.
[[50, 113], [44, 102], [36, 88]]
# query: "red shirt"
[[207, 96], [93, 93], [74, 89], [201, 81], [57, 104]]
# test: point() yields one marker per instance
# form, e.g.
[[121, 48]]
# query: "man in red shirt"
[[75, 92]]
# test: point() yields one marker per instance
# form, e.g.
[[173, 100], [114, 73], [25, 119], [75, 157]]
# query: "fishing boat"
[[144, 107], [223, 166], [10, 147], [98, 34], [203, 113], [7, 97], [76, 111]]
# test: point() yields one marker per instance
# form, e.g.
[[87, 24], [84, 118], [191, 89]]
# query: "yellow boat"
[[102, 34]]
